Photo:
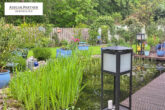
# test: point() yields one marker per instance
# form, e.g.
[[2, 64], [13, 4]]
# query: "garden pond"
[[143, 72], [81, 88]]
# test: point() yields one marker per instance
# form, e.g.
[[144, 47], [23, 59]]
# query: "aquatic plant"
[[55, 86]]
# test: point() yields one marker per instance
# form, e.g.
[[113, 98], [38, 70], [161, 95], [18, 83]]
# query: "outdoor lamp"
[[140, 36], [116, 61]]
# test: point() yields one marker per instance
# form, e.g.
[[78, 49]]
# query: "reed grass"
[[56, 86]]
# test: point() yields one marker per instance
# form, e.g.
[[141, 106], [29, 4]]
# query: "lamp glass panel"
[[125, 62], [138, 37], [109, 62], [143, 36]]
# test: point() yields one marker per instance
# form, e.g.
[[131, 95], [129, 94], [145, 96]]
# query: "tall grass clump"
[[55, 86]]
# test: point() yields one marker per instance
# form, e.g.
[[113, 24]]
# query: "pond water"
[[143, 72]]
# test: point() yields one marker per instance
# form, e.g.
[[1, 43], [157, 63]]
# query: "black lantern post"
[[116, 61], [140, 39]]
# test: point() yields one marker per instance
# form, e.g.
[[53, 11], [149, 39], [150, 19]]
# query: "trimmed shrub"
[[41, 53]]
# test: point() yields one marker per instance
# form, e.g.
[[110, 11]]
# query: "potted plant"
[[160, 52], [138, 49], [7, 45], [83, 46], [65, 50], [147, 50], [153, 41]]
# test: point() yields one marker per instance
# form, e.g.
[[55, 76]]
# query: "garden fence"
[[68, 33]]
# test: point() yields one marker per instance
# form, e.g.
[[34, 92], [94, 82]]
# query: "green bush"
[[147, 48], [8, 42], [43, 42], [30, 36], [64, 43], [104, 33], [21, 63], [114, 41], [93, 37], [41, 53], [153, 40], [56, 40], [124, 34], [117, 17], [101, 21]]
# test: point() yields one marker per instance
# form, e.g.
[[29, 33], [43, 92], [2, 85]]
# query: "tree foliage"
[[145, 10], [134, 27], [160, 11], [61, 13], [8, 35], [102, 20], [73, 13]]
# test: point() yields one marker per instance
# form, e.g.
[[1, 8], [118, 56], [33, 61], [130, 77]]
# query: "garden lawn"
[[96, 50]]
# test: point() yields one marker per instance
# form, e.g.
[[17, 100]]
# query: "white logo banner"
[[23, 8]]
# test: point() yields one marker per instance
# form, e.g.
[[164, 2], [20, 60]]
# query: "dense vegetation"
[[55, 86], [81, 13], [59, 84]]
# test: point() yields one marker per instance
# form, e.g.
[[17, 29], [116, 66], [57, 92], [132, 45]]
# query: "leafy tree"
[[72, 13], [62, 13], [117, 17], [68, 13], [107, 21], [144, 11], [124, 34], [134, 27], [160, 11], [104, 33], [161, 23], [108, 7], [8, 35], [152, 30]]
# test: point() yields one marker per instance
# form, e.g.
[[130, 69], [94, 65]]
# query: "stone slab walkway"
[[150, 97]]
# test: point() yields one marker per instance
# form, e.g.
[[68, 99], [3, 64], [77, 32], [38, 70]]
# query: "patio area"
[[151, 56], [150, 97]]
